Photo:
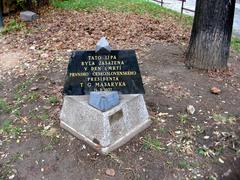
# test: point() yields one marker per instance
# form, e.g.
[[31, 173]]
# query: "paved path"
[[190, 4]]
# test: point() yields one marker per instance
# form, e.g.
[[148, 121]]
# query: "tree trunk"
[[211, 35], [29, 5], [1, 13]]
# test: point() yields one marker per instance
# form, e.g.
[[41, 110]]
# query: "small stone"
[[178, 132], [220, 160], [42, 169], [34, 88], [215, 90], [32, 48], [83, 147], [162, 114], [11, 177], [44, 55], [190, 109], [206, 137], [28, 16], [1, 143], [110, 172]]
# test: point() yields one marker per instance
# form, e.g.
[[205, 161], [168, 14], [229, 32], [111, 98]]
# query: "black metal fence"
[[161, 2]]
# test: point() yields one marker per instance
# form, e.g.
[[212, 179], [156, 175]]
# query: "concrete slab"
[[105, 131]]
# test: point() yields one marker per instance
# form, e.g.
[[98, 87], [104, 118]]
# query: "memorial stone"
[[103, 101]]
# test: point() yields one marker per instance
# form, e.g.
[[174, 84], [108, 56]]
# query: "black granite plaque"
[[115, 71]]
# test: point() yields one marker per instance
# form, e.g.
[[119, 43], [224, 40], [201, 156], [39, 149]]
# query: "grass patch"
[[7, 169], [235, 44], [202, 152], [13, 25], [20, 97], [39, 116], [152, 143], [43, 117], [134, 6], [47, 147], [7, 128], [53, 100], [4, 106], [183, 117], [23, 86], [212, 178], [162, 130], [183, 164], [52, 134], [32, 96], [225, 119]]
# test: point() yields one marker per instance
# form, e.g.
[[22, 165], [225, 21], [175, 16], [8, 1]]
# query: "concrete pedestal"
[[105, 131]]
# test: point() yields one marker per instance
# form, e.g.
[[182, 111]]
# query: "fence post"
[[1, 13], [182, 7]]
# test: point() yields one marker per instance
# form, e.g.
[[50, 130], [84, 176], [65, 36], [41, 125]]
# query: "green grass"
[[4, 106], [183, 117], [162, 130], [20, 96], [225, 119], [182, 164], [13, 25], [7, 168], [32, 96], [53, 100], [21, 88], [133, 6], [152, 143], [7, 128], [43, 116], [235, 44]]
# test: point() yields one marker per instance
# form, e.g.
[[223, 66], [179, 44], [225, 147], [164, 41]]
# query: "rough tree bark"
[[1, 13], [210, 40]]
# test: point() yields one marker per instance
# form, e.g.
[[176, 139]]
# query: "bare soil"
[[205, 145]]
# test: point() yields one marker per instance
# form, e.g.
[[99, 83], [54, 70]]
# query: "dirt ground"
[[178, 145]]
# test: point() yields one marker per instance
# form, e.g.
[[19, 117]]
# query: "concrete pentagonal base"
[[105, 131]]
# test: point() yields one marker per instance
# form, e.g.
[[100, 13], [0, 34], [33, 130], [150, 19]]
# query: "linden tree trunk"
[[210, 40]]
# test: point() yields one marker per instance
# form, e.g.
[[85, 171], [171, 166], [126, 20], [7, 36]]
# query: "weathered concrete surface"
[[104, 131]]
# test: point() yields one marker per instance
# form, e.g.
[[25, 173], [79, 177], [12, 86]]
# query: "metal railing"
[[161, 2]]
